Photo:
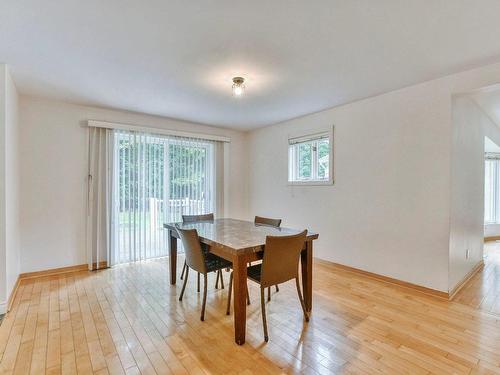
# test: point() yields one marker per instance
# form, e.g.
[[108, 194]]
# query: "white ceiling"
[[490, 146], [176, 58]]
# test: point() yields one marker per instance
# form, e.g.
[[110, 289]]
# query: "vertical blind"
[[99, 201], [157, 178], [492, 190]]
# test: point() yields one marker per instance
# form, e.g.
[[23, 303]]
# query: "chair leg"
[[269, 292], [205, 282], [229, 292], [306, 315], [183, 269], [184, 284], [219, 277], [198, 282], [263, 305]]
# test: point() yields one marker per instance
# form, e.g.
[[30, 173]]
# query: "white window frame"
[[293, 162]]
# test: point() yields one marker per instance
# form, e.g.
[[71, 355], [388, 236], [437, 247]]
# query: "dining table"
[[241, 242]]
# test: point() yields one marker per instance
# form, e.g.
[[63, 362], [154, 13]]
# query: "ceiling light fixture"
[[238, 86]]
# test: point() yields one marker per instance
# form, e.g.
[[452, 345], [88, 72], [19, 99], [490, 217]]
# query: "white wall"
[[389, 211], [12, 177], [9, 187], [3, 241], [54, 169], [470, 125]]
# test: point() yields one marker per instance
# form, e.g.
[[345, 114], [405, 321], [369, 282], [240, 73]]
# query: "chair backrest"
[[195, 218], [267, 221], [281, 258], [195, 258]]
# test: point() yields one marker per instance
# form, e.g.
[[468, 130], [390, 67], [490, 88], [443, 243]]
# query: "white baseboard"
[[3, 307]]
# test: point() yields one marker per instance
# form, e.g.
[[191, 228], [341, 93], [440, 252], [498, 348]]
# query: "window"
[[157, 179], [309, 159], [492, 189]]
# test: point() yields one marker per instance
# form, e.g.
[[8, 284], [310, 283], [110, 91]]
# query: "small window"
[[309, 159]]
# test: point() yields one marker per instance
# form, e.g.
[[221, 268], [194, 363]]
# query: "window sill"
[[310, 183]]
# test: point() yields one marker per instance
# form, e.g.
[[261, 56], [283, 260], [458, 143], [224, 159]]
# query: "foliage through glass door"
[[157, 179]]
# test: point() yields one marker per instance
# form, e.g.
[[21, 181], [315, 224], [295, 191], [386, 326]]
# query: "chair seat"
[[214, 262], [254, 272], [204, 248]]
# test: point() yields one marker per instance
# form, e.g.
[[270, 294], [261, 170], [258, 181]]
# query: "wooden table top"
[[236, 235]]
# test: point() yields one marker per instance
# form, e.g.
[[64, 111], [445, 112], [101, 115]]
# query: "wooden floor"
[[128, 320], [483, 290]]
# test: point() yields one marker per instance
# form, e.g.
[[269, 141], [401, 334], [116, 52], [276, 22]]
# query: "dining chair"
[[259, 220], [197, 219], [279, 264], [200, 261], [267, 221]]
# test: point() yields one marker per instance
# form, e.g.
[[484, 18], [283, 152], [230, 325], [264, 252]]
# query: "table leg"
[[240, 298], [306, 266], [172, 256]]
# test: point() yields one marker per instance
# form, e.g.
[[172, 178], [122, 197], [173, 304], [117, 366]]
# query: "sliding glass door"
[[156, 180]]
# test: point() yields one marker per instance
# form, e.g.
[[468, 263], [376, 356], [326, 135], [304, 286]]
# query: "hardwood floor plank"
[[128, 320]]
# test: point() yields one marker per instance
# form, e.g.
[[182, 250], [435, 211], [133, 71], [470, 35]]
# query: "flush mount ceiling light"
[[238, 86]]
